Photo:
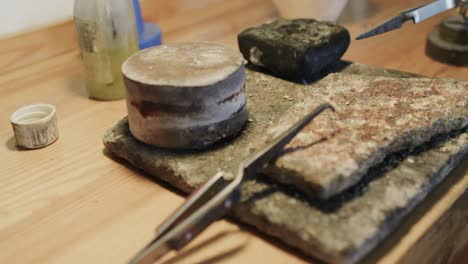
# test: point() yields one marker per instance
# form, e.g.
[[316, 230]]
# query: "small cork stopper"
[[35, 126]]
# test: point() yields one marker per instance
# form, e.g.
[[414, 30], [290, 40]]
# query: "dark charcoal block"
[[294, 49]]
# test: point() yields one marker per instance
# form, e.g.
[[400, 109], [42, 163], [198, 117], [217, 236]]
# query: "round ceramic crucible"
[[185, 95]]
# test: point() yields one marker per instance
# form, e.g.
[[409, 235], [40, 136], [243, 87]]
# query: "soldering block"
[[294, 49], [339, 230]]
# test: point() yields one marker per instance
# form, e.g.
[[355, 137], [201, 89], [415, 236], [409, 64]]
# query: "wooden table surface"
[[71, 203]]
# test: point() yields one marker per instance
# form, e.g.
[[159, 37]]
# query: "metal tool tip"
[[330, 107], [362, 36], [324, 107], [389, 25]]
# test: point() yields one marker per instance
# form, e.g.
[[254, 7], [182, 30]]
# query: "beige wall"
[[318, 9], [17, 16]]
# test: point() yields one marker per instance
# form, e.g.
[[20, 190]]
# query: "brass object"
[[449, 43]]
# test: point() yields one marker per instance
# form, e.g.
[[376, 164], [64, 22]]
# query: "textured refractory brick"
[[294, 49], [374, 117], [340, 230]]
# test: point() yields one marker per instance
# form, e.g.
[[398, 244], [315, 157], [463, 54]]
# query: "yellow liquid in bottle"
[[102, 63]]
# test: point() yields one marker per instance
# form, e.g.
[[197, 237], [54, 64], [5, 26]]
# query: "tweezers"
[[417, 15], [215, 197]]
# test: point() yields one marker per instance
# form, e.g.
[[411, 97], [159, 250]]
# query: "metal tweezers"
[[417, 15], [215, 198]]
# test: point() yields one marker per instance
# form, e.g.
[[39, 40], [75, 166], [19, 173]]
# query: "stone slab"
[[374, 116], [339, 230]]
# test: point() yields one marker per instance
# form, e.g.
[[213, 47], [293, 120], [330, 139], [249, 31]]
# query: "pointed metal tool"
[[417, 15], [389, 25], [215, 198]]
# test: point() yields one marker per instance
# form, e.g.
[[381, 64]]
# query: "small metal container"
[[185, 95], [449, 43]]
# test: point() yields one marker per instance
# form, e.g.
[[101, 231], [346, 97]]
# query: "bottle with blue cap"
[[107, 36], [149, 34]]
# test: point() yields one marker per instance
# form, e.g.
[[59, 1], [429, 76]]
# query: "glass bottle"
[[107, 36]]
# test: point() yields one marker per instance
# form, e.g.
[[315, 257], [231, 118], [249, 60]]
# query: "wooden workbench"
[[71, 203]]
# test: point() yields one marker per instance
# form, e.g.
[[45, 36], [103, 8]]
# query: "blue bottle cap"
[[149, 34]]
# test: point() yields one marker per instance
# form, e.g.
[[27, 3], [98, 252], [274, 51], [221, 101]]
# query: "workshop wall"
[[19, 16]]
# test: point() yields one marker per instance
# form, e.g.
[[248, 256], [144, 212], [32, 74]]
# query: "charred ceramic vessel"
[[185, 95]]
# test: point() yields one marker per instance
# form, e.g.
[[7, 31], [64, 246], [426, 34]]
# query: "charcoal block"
[[294, 49]]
